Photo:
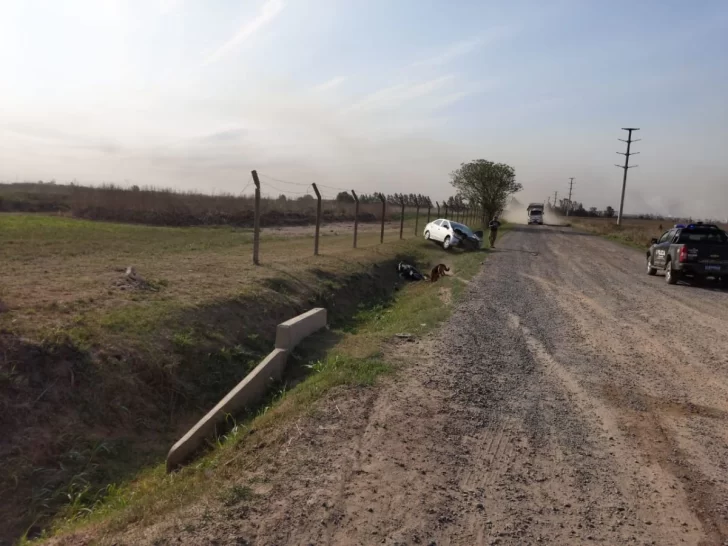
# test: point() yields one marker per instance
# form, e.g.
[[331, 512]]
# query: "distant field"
[[634, 231], [163, 207], [53, 266], [98, 372]]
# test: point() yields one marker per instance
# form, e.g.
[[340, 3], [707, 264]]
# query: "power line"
[[626, 166]]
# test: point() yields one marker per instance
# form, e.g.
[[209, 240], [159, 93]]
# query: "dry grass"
[[59, 268], [353, 360], [162, 207], [101, 375], [634, 231]]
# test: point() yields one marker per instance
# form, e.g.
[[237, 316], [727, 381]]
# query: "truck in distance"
[[535, 213]]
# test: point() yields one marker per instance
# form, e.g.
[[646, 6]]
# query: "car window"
[[462, 227], [446, 224], [702, 236], [438, 222]]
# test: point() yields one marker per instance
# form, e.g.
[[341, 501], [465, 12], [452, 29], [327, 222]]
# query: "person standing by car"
[[494, 225]]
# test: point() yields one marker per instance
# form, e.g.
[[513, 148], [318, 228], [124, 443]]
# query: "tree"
[[307, 197], [609, 212], [593, 211], [369, 198], [344, 197], [486, 185], [282, 198]]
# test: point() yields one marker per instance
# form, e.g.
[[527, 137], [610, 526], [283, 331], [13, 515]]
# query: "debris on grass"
[[134, 281]]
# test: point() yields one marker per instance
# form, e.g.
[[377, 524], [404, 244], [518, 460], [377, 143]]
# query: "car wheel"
[[446, 243], [671, 276], [427, 235], [650, 270]]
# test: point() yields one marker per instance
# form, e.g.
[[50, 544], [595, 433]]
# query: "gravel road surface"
[[570, 399]]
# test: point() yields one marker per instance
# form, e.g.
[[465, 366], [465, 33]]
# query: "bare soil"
[[570, 399]]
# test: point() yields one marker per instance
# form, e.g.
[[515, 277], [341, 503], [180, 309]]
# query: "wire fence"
[[364, 207]]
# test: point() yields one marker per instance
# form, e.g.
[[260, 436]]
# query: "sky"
[[373, 95]]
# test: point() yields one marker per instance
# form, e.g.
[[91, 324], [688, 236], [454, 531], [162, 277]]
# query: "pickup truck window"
[[702, 236], [665, 236]]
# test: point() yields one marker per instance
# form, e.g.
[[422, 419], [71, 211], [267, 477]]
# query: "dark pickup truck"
[[696, 250]]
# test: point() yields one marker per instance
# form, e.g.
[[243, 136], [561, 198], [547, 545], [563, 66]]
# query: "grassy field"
[[166, 207], [633, 231], [100, 374], [353, 358]]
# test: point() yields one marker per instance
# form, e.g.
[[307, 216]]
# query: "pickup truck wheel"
[[671, 276], [650, 269]]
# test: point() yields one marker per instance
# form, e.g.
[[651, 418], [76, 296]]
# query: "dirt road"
[[571, 399]]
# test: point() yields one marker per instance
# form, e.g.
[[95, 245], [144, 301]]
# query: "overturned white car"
[[453, 235]]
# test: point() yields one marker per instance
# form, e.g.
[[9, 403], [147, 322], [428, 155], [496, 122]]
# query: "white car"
[[444, 231]]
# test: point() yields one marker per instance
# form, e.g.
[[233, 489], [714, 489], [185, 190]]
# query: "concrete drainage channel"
[[252, 388]]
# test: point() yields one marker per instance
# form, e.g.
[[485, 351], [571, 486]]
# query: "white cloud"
[[268, 12], [463, 47], [463, 92], [451, 52], [330, 84], [397, 94]]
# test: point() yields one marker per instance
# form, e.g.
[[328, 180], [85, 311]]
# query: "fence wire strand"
[[270, 186], [281, 181]]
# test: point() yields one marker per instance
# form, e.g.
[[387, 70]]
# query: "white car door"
[[435, 232], [445, 230]]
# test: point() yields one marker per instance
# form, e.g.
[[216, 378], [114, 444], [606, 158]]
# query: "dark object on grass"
[[409, 272], [438, 271]]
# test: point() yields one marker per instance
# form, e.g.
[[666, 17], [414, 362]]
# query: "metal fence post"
[[438, 208], [356, 215], [429, 208], [318, 221], [401, 219], [384, 212], [256, 219], [417, 215]]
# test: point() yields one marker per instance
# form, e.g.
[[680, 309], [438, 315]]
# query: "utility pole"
[[571, 185], [626, 166]]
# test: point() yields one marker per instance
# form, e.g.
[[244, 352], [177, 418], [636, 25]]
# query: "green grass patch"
[[356, 360]]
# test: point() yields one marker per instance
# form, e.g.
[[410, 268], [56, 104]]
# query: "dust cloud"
[[550, 218], [516, 213]]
